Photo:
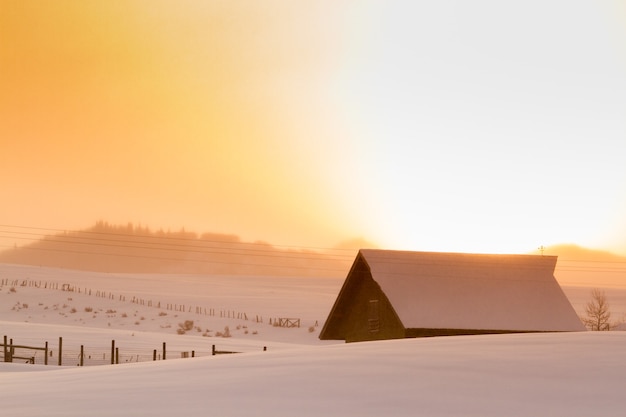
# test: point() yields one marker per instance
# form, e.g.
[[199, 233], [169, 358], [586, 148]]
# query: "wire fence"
[[47, 354], [159, 304]]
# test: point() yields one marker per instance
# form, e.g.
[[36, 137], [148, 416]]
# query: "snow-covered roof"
[[473, 291]]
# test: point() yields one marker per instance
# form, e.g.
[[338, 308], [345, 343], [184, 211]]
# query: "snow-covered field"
[[578, 374]]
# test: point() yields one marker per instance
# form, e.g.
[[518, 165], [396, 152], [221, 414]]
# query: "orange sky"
[[163, 115], [415, 126]]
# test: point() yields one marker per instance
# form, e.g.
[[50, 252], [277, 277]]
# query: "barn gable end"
[[362, 311], [395, 294]]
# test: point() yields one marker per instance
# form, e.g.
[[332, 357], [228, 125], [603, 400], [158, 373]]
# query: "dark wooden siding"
[[362, 312], [362, 324], [335, 326]]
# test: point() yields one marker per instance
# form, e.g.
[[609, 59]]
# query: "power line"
[[596, 261], [212, 261], [149, 246], [172, 244], [194, 245], [165, 236], [184, 241], [199, 249]]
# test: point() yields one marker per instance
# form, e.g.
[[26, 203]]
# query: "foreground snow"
[[578, 374]]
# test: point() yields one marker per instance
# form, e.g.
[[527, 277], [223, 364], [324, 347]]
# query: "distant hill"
[[587, 267], [113, 248], [106, 247], [571, 251]]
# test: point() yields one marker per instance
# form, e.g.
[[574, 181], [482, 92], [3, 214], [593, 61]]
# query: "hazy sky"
[[482, 126]]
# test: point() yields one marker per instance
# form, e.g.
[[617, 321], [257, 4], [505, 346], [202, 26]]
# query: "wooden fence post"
[[82, 355], [163, 350], [154, 355], [112, 351], [45, 359], [6, 349], [60, 351]]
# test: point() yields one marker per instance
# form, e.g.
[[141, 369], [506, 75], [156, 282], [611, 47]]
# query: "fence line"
[[99, 356], [185, 308]]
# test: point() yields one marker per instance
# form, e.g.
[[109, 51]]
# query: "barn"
[[397, 294]]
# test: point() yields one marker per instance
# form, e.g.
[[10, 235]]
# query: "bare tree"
[[598, 313]]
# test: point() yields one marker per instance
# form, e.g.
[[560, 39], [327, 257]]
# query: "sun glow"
[[415, 126]]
